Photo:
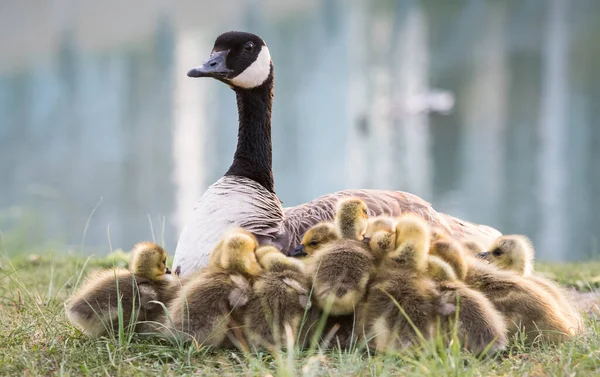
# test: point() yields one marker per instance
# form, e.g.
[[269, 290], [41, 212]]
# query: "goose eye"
[[313, 243], [249, 46], [497, 252]]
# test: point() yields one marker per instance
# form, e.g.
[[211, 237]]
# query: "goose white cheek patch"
[[256, 73]]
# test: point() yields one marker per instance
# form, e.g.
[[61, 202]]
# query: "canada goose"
[[352, 218], [279, 300], [342, 327], [511, 252], [439, 270], [402, 281], [94, 308], [314, 238], [381, 236], [451, 253], [516, 253], [245, 195], [341, 269], [479, 325], [523, 304], [211, 300]]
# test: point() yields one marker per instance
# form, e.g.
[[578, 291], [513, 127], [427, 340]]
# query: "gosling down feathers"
[[209, 304], [279, 302], [523, 304], [95, 307], [402, 302], [516, 253], [480, 326], [340, 270], [381, 236], [245, 195]]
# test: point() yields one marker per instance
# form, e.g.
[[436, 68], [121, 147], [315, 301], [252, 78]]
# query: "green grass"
[[583, 277], [36, 339]]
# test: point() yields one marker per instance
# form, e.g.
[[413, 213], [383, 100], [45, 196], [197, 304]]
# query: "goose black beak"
[[215, 66], [167, 270], [298, 252], [485, 255], [366, 240]]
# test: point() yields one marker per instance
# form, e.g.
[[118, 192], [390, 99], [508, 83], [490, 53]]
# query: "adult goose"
[[245, 195]]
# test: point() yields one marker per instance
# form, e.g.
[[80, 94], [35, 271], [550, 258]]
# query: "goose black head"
[[239, 59]]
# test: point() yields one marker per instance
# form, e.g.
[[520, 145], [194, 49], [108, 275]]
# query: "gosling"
[[210, 303], [524, 305], [137, 292], [516, 253], [314, 239], [279, 302], [380, 236], [479, 327], [403, 302], [341, 268]]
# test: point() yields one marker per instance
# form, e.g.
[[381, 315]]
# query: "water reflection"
[[486, 109]]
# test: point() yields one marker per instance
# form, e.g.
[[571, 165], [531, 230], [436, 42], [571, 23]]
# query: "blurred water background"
[[487, 109]]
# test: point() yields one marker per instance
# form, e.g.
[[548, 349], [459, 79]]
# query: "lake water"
[[487, 109]]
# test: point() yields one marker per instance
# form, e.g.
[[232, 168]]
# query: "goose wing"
[[297, 220]]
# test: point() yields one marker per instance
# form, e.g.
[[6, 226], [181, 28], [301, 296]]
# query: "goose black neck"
[[253, 155]]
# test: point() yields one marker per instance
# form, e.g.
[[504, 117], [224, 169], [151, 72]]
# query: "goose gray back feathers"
[[380, 202], [239, 201]]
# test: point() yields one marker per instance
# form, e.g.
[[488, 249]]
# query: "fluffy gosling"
[[209, 304], [403, 301], [480, 326], [341, 268], [94, 308], [516, 253], [524, 305], [279, 301]]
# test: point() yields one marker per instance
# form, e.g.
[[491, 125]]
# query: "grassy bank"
[[36, 339]]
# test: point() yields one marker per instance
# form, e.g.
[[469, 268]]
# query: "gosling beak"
[[167, 270], [298, 252], [485, 255], [367, 240], [215, 66]]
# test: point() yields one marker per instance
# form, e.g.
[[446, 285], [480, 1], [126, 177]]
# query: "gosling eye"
[[313, 243], [365, 211], [497, 252], [249, 47]]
